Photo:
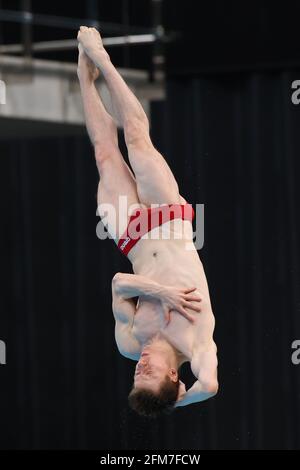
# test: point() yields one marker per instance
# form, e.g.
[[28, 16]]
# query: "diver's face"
[[150, 371]]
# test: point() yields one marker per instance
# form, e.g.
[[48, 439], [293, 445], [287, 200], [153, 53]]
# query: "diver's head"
[[156, 382]]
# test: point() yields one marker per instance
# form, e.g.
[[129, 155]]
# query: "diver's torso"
[[173, 262]]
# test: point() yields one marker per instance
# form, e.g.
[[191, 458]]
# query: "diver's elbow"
[[211, 387]]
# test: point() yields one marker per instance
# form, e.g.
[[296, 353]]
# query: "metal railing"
[[128, 35]]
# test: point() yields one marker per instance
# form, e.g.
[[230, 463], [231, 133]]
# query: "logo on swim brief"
[[130, 223], [2, 92], [2, 353], [125, 243]]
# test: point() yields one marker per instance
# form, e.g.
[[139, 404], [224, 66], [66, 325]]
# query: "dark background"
[[231, 135]]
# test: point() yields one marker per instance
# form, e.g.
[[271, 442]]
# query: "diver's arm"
[[134, 285], [204, 366], [172, 298], [198, 392], [124, 311]]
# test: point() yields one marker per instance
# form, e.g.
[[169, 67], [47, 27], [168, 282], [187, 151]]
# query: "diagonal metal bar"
[[67, 23], [69, 44]]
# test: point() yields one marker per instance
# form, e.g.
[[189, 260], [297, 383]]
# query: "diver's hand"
[[173, 298]]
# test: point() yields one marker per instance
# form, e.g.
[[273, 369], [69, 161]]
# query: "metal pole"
[[125, 21], [69, 44], [26, 28], [1, 30], [92, 12], [158, 58], [68, 23]]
